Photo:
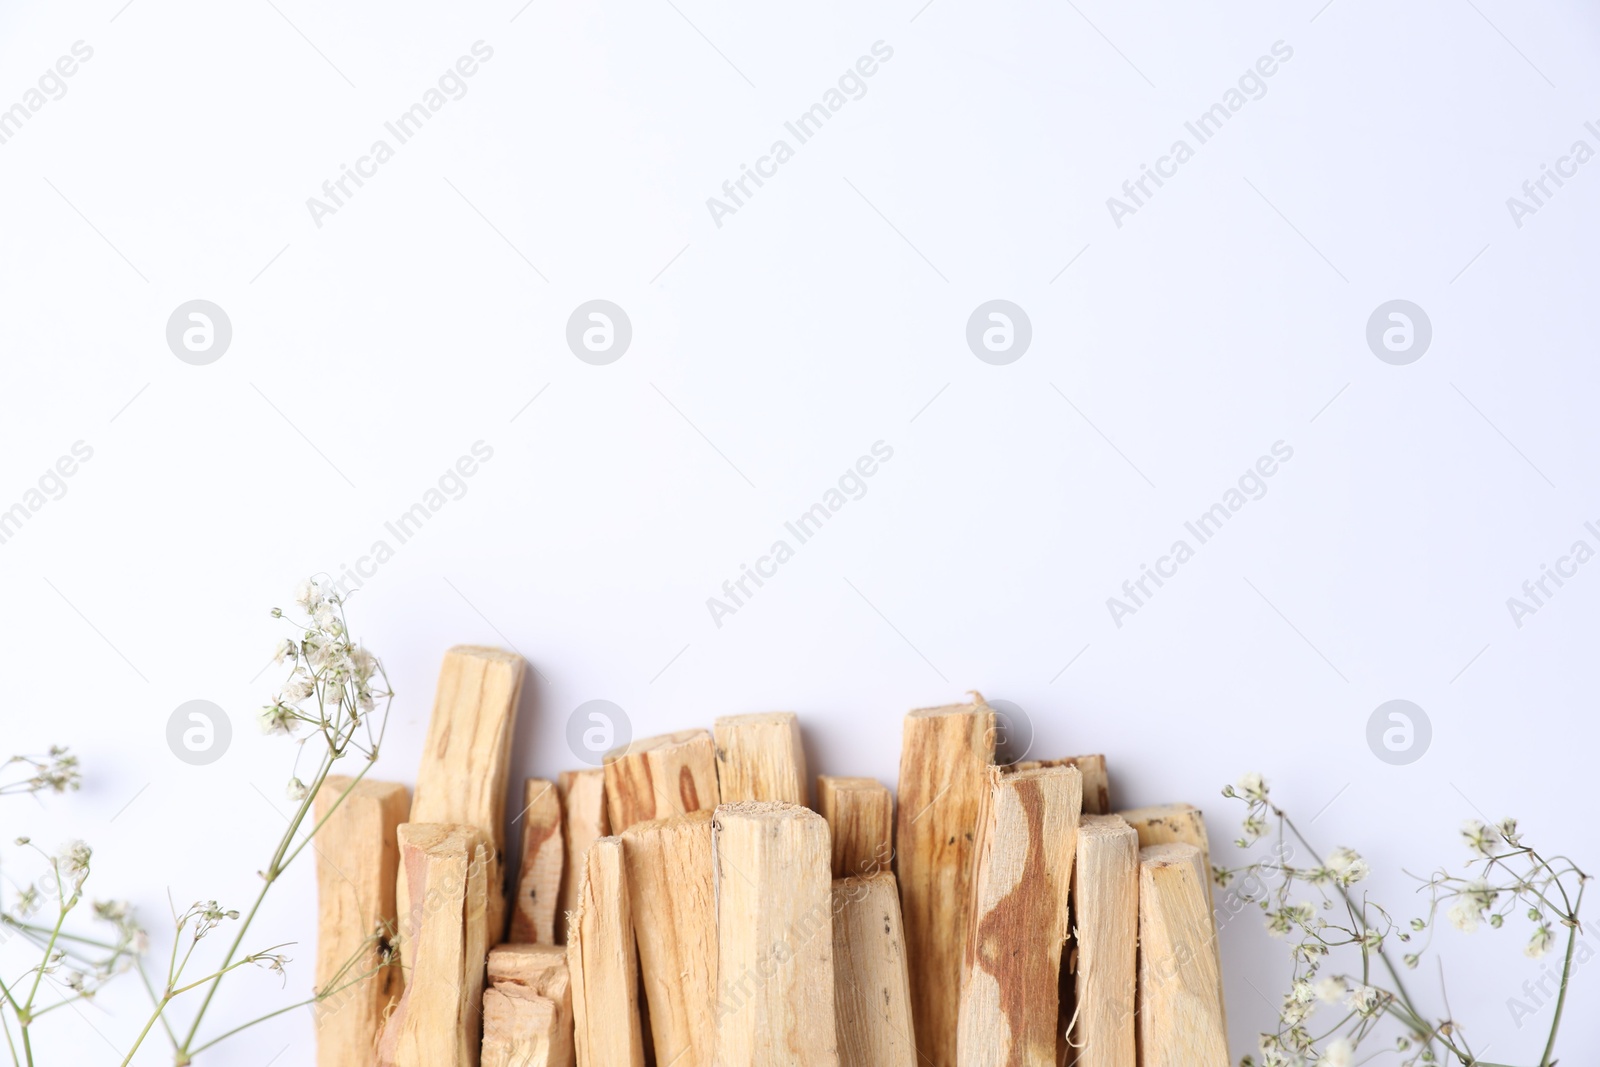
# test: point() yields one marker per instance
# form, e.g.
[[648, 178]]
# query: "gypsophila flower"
[[1463, 915], [1364, 1000], [1347, 866], [307, 595], [1339, 1053], [1252, 786], [1331, 990], [285, 649], [296, 789], [1543, 937], [1507, 828], [276, 718], [1478, 836]]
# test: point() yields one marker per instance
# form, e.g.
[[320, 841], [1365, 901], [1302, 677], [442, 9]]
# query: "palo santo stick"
[[445, 871], [1165, 824], [527, 972], [672, 893], [759, 758], [533, 920], [520, 1029], [860, 814], [774, 937], [872, 987], [603, 965], [583, 806], [1010, 985], [358, 860], [1105, 892], [1180, 985], [1096, 783], [466, 763], [542, 968], [944, 767], [660, 776]]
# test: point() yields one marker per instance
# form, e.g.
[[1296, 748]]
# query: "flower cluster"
[[333, 684], [56, 772]]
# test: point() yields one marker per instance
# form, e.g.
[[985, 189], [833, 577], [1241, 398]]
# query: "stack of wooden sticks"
[[683, 906]]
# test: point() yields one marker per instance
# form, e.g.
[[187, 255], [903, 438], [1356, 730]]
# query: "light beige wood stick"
[[672, 891], [584, 809], [520, 1028], [944, 767], [759, 758], [860, 814], [532, 972], [1096, 783], [466, 763], [660, 776], [1165, 824], [358, 860], [1010, 987], [1105, 892], [533, 920], [603, 965], [1180, 985], [871, 984], [542, 968], [437, 1023], [774, 937]]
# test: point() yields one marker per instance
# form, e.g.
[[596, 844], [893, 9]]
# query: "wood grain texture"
[[530, 972], [533, 918], [586, 819], [860, 814], [1180, 985], [1096, 782], [444, 869], [603, 964], [520, 1028], [871, 983], [945, 757], [465, 773], [672, 892], [358, 861], [1105, 892], [759, 758], [1010, 987], [774, 937], [660, 776], [1165, 824]]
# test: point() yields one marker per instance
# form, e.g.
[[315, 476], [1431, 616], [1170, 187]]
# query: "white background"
[[768, 354]]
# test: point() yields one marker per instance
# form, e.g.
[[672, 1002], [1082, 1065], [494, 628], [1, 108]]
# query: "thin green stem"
[[270, 876], [309, 1000], [1545, 1060]]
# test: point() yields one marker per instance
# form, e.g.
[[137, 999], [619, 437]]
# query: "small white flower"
[[285, 649], [276, 719], [1347, 866], [296, 789], [1364, 1000], [306, 594], [1252, 786], [1539, 944], [1330, 990], [1479, 836], [1463, 915], [1339, 1053]]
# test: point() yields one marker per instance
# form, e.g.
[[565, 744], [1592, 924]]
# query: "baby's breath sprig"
[[334, 700], [75, 964], [56, 772], [1505, 877]]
